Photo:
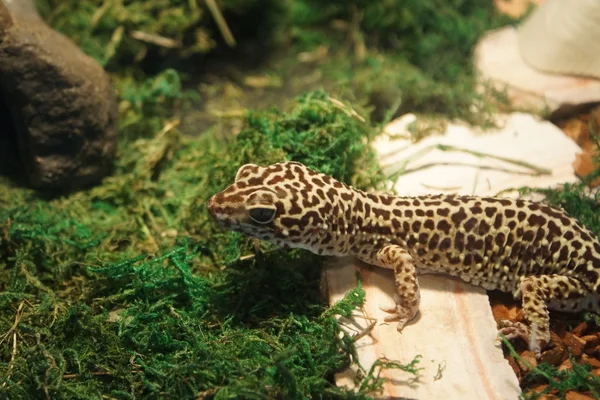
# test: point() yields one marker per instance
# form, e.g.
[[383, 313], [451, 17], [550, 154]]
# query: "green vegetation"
[[559, 382], [120, 33], [128, 290]]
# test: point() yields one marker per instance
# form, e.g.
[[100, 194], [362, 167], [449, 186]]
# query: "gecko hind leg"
[[538, 294], [407, 297]]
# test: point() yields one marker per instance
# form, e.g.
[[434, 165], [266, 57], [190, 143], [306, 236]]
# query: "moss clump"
[[118, 33], [128, 290], [412, 56], [435, 36]]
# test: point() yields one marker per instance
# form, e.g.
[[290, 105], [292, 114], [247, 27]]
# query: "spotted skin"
[[529, 249]]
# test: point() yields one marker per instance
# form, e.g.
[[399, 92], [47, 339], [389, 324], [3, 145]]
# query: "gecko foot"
[[512, 330], [398, 312]]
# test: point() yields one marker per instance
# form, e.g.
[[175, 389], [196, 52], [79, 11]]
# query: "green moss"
[[436, 36], [411, 56], [118, 33], [129, 290]]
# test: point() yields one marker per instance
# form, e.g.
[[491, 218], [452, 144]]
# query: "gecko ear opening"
[[262, 214]]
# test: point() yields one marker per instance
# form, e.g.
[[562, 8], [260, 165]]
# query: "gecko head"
[[273, 203]]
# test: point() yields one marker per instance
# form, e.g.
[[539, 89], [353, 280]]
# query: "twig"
[[99, 373], [360, 50], [364, 332], [221, 23], [155, 39], [347, 110], [536, 169], [13, 354], [443, 147], [249, 256], [440, 188], [147, 233], [15, 324], [99, 13]]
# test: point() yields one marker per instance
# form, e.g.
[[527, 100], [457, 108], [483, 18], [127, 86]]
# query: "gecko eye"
[[262, 214]]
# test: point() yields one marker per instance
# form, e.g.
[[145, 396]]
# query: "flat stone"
[[58, 103], [499, 62]]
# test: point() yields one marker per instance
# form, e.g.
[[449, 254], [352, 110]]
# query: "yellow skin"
[[528, 249]]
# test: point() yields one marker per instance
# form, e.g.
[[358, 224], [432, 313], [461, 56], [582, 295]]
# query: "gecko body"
[[532, 250]]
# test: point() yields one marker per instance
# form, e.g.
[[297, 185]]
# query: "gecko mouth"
[[218, 213]]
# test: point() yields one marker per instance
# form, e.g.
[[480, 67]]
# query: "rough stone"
[[58, 106]]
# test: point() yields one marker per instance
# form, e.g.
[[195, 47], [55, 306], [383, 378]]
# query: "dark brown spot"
[[459, 216], [528, 236], [498, 221], [429, 224], [509, 213], [453, 260], [346, 196], [489, 211], [468, 259], [325, 209], [445, 244], [484, 228], [563, 255], [379, 212], [444, 226], [459, 241], [386, 200], [433, 242], [443, 211], [500, 239], [411, 241], [565, 221], [470, 224], [358, 205], [331, 194]]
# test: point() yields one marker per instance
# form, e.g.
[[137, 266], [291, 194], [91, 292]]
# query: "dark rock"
[[60, 105]]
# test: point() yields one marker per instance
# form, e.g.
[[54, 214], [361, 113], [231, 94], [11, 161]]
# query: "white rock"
[[499, 62]]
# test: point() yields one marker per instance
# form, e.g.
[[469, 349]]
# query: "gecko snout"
[[212, 207]]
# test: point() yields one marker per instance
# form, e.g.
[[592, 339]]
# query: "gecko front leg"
[[407, 296]]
